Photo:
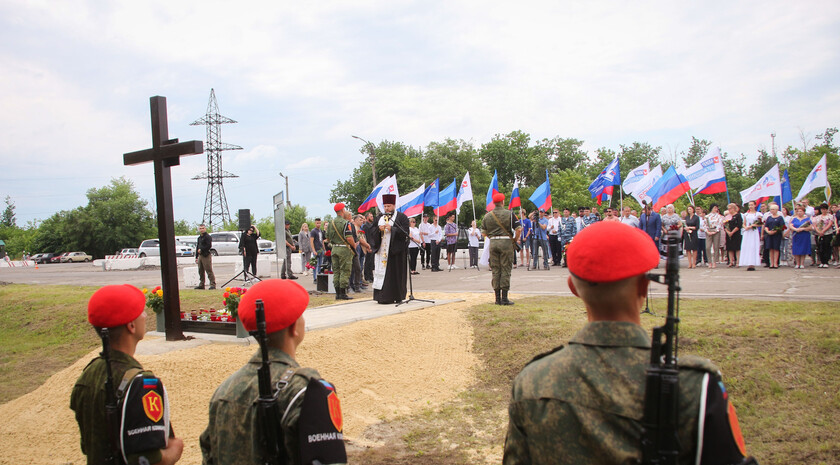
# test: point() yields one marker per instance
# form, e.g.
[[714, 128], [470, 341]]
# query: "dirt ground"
[[383, 368]]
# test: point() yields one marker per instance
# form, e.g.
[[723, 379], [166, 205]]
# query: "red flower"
[[226, 295]]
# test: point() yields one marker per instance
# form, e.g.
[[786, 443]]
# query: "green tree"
[[391, 159], [558, 154], [511, 156], [762, 164], [185, 228], [8, 218], [698, 149]]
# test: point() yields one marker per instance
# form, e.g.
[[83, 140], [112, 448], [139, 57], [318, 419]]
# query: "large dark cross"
[[165, 153]]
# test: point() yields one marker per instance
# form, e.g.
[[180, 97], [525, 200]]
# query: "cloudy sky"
[[302, 77]]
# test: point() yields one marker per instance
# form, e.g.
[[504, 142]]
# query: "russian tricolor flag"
[[515, 201], [669, 188], [370, 201], [492, 190], [412, 204], [714, 186], [542, 196], [448, 200]]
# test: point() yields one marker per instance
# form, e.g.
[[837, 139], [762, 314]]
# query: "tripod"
[[408, 270], [246, 276]]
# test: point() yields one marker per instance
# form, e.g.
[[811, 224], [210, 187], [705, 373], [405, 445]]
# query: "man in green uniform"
[[584, 404], [340, 236], [233, 434], [120, 308], [498, 226]]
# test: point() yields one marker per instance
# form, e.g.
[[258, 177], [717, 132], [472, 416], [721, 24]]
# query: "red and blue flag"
[[448, 199], [515, 200], [668, 189], [492, 190], [542, 196]]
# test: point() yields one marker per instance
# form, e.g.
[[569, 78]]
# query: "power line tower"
[[215, 204]]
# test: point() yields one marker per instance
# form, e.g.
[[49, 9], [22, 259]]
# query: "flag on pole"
[[816, 178], [707, 175], [769, 185], [635, 177], [827, 192], [668, 188], [542, 196], [390, 188], [447, 200], [515, 201], [492, 190], [640, 193], [412, 204], [602, 186], [430, 196], [465, 193], [787, 195], [375, 197]]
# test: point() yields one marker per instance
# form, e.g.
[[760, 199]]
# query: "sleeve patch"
[[320, 425]]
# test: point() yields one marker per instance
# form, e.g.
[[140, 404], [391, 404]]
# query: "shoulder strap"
[[343, 237], [545, 354], [126, 381], [501, 225]]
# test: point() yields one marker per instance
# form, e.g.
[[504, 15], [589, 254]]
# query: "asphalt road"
[[783, 284]]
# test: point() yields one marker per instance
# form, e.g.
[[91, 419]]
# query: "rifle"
[[112, 408], [660, 443], [267, 410]]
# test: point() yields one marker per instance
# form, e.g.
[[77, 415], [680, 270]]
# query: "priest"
[[391, 261]]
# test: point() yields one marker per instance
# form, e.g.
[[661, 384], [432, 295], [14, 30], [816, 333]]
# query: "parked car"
[[128, 252], [266, 246], [151, 248], [45, 258], [36, 257], [75, 257], [57, 257], [225, 243], [188, 240]]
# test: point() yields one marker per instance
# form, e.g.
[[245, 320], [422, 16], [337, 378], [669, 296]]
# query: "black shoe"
[[505, 300], [211, 287], [498, 297], [344, 295], [199, 287], [293, 277]]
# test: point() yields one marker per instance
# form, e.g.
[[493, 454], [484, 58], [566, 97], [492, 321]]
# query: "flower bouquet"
[[154, 299], [232, 295]]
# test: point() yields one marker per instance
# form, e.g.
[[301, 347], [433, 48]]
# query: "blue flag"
[[787, 194], [430, 197]]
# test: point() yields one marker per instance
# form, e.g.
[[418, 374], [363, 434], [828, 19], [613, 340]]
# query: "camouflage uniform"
[[584, 404], [501, 247], [232, 435], [88, 401], [342, 256]]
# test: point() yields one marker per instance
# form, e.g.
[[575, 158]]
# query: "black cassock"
[[396, 272]]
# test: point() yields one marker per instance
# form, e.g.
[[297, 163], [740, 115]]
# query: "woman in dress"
[[824, 226], [800, 227], [751, 238], [714, 225], [671, 224], [733, 225], [305, 248], [692, 223], [774, 228]]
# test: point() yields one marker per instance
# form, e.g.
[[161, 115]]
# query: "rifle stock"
[[112, 408], [267, 410]]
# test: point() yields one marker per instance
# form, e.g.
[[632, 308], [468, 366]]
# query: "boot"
[[344, 295], [337, 292], [505, 300], [498, 297]]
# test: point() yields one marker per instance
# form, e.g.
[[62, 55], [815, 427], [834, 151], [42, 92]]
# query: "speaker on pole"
[[244, 219]]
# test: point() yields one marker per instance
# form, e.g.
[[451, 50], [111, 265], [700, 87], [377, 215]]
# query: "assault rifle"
[[112, 408], [267, 410]]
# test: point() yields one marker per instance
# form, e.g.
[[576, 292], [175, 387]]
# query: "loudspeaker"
[[244, 219]]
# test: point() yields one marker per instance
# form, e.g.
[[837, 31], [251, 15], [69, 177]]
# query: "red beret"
[[338, 207], [611, 251], [115, 305], [284, 303], [498, 197]]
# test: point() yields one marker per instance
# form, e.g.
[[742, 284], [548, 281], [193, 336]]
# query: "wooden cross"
[[165, 153]]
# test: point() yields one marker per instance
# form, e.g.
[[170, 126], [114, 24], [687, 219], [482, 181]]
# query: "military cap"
[[389, 199], [288, 221], [284, 303], [115, 305], [498, 197], [631, 252], [339, 207]]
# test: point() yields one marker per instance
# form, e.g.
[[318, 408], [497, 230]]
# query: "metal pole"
[[372, 152], [288, 202]]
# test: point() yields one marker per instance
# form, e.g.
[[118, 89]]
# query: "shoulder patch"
[[545, 354], [320, 425]]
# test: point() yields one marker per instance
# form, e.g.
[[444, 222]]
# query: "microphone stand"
[[408, 269]]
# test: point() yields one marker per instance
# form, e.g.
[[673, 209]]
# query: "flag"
[[787, 195], [389, 188], [769, 185], [707, 175], [668, 188], [412, 204], [447, 200], [816, 178], [602, 186], [375, 196], [542, 196], [430, 196], [492, 190], [515, 201], [827, 191], [465, 192], [635, 177], [640, 193]]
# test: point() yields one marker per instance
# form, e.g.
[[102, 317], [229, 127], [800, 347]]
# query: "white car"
[[151, 248], [266, 246]]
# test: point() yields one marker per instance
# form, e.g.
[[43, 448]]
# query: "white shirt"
[[425, 228], [435, 233], [809, 211], [701, 231], [473, 236], [579, 222], [553, 226], [630, 221], [415, 234]]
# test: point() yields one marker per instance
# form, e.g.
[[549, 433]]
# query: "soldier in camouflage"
[[583, 404], [233, 435], [498, 226], [340, 235]]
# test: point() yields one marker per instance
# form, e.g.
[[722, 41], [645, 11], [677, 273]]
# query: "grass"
[[780, 362], [44, 329]]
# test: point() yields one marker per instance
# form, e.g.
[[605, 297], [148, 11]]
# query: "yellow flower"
[[160, 292], [227, 289], [145, 291]]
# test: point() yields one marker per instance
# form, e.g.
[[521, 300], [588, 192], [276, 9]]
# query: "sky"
[[300, 78]]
